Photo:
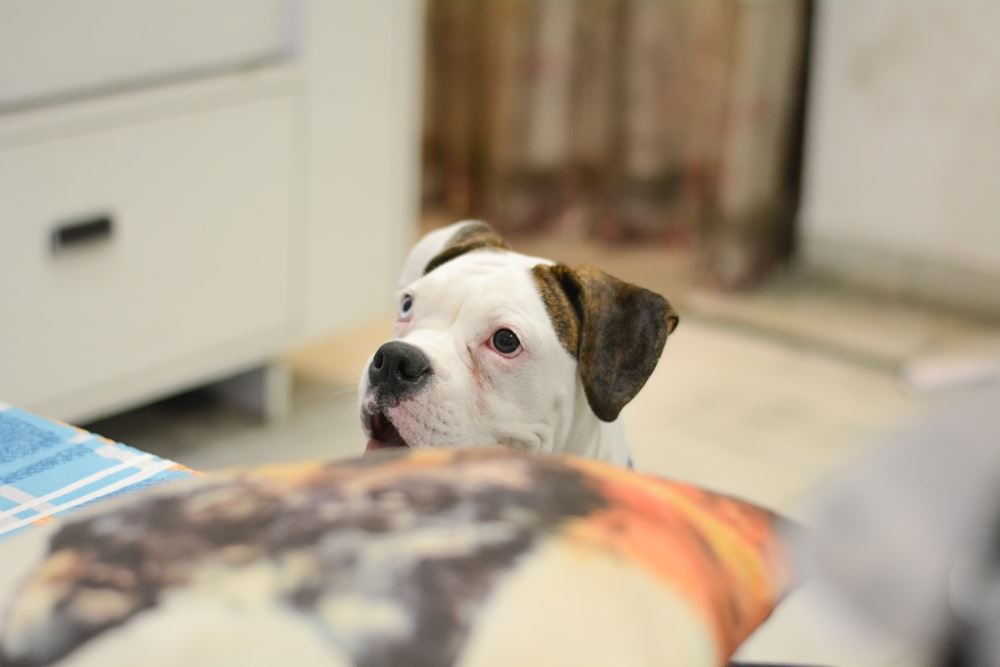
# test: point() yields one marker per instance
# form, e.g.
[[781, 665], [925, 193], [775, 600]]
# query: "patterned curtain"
[[673, 121]]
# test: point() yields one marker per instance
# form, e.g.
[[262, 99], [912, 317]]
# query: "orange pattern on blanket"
[[177, 467], [721, 554]]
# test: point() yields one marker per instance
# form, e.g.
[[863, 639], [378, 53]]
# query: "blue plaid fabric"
[[47, 468]]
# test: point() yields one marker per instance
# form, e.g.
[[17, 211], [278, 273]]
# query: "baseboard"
[[888, 272]]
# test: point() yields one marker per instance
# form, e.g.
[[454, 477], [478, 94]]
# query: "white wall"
[[363, 117], [903, 146]]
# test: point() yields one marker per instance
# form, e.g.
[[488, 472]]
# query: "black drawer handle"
[[82, 232]]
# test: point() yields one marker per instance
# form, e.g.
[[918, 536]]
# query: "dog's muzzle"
[[397, 371]]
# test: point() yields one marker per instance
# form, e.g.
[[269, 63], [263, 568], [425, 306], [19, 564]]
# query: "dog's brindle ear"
[[447, 243], [615, 330], [472, 235]]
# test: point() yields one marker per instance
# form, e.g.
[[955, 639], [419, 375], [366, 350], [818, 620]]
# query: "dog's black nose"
[[399, 369]]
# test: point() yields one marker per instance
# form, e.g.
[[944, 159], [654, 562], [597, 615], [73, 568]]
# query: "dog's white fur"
[[534, 401]]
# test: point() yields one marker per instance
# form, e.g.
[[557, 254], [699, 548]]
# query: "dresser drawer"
[[190, 251], [58, 49]]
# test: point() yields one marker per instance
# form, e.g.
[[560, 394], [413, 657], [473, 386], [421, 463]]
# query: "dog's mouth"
[[384, 433]]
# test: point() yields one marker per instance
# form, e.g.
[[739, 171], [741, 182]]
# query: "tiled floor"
[[765, 397]]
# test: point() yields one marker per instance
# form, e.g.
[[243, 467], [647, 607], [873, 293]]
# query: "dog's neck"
[[592, 438]]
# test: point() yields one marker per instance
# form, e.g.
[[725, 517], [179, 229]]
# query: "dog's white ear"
[[441, 245], [615, 330]]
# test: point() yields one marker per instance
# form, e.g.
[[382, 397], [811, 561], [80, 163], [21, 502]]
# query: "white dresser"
[[189, 187]]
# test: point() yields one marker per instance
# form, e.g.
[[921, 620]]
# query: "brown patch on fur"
[[615, 330], [479, 378], [473, 236]]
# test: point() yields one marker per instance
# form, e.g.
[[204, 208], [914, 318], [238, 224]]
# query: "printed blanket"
[[48, 468]]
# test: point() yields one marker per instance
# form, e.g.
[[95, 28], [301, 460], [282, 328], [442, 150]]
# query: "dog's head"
[[495, 347]]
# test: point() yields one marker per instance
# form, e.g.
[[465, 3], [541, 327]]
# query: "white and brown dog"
[[492, 347]]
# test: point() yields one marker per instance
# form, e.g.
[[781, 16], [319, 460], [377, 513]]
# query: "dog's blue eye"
[[406, 307], [505, 341]]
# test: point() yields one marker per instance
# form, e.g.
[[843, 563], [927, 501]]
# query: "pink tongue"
[[389, 436], [374, 445]]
